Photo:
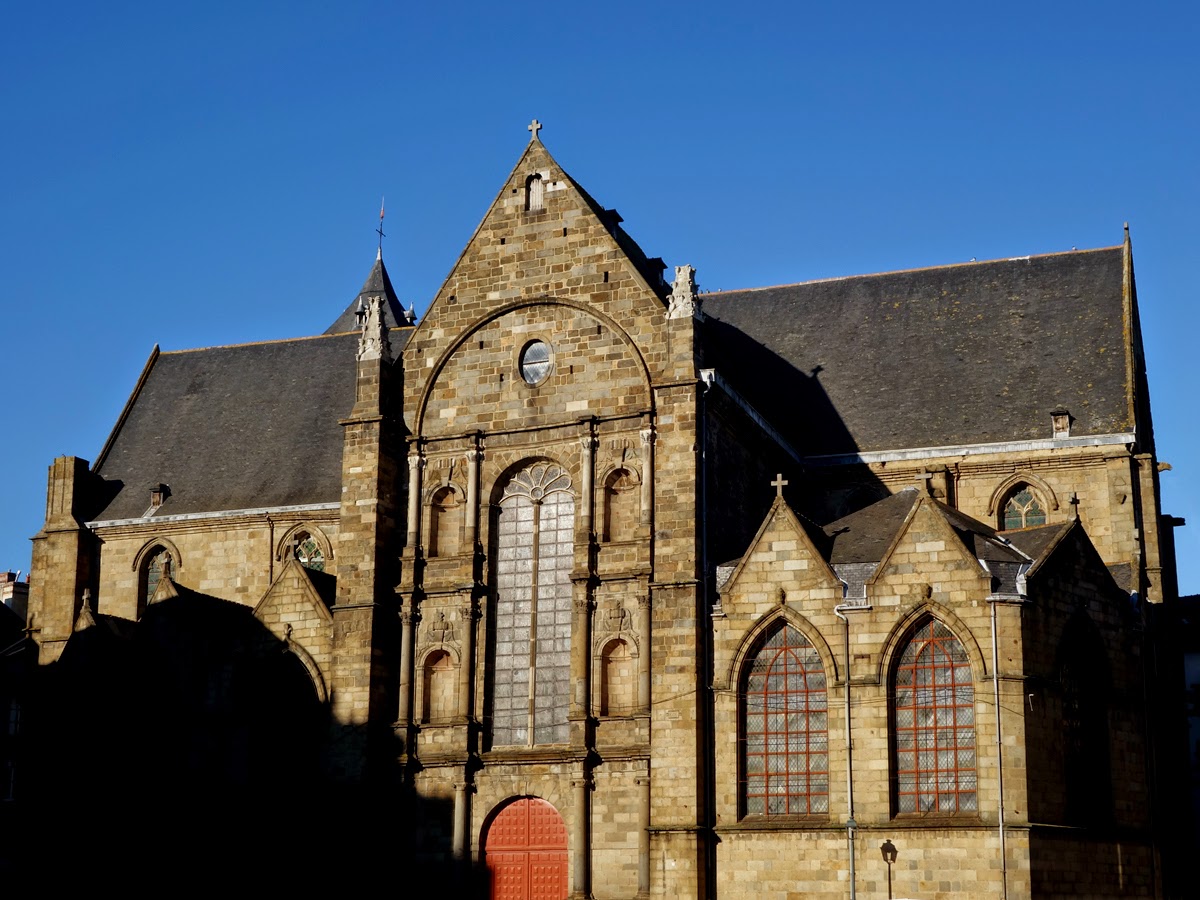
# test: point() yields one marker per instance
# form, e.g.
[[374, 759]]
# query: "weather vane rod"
[[379, 230]]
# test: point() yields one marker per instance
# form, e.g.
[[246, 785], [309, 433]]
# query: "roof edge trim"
[[137, 389], [915, 453], [958, 265], [216, 514]]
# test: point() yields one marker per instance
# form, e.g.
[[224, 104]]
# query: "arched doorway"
[[526, 852]]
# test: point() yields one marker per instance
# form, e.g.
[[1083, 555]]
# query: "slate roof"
[[962, 354], [866, 535], [377, 283], [240, 427]]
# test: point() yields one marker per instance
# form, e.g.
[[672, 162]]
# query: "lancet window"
[[784, 765], [933, 724]]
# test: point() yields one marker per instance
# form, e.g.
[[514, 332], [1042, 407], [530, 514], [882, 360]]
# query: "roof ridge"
[[291, 340], [981, 262]]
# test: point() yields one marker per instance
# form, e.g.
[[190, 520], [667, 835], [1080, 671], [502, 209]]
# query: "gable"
[[781, 557], [928, 551], [565, 270]]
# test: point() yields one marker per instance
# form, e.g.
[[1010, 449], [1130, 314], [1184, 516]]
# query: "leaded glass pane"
[[784, 728], [535, 549], [940, 776]]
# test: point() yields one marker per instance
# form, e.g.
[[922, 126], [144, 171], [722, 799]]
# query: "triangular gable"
[[591, 231], [781, 526], [1073, 538], [165, 591], [293, 583], [925, 513]]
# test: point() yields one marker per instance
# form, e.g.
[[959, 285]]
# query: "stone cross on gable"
[[779, 484], [535, 126]]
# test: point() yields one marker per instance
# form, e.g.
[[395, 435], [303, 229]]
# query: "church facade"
[[628, 590]]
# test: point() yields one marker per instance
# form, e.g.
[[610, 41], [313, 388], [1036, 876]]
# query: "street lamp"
[[888, 849]]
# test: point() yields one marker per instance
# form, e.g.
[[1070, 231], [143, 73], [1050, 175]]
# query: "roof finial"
[[779, 484], [535, 126], [379, 231]]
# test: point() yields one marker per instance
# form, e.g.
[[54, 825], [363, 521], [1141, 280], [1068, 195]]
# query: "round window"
[[535, 362]]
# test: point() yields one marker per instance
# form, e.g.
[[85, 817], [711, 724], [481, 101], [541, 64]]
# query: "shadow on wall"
[[189, 749]]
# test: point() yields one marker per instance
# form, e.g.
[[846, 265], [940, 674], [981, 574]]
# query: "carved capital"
[[583, 604], [647, 435]]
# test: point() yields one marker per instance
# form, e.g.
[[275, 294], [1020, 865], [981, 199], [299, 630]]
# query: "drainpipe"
[[851, 825], [999, 749]]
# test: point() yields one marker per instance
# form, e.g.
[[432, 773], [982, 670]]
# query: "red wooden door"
[[526, 852]]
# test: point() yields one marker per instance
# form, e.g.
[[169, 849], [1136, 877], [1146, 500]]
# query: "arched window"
[[621, 497], [618, 679], [784, 765], [157, 565], [933, 724], [534, 531], [1022, 509], [534, 193], [439, 693], [307, 551], [445, 522]]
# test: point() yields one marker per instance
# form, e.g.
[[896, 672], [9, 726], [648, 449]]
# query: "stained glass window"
[[1023, 510], [308, 552], [157, 566], [934, 724], [535, 362], [535, 552], [785, 737]]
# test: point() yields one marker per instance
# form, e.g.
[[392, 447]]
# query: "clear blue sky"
[[192, 174]]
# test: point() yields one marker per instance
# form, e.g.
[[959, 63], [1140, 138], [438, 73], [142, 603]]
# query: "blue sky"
[[192, 174]]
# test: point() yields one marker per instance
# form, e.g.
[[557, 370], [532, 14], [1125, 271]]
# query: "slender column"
[[582, 842], [466, 669], [587, 465], [462, 808], [647, 474], [643, 786], [643, 630], [581, 652], [474, 456], [407, 621], [416, 462]]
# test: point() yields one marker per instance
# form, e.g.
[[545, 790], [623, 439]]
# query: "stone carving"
[[685, 300], [616, 620], [439, 630], [373, 344]]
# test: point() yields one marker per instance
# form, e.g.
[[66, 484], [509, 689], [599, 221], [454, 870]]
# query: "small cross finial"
[[535, 126], [779, 484]]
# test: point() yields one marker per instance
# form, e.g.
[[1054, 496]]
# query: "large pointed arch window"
[[933, 724], [784, 743], [535, 546]]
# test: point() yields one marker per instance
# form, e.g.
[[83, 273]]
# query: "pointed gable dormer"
[[781, 562], [378, 284]]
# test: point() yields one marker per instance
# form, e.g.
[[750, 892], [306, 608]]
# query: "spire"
[[378, 284]]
